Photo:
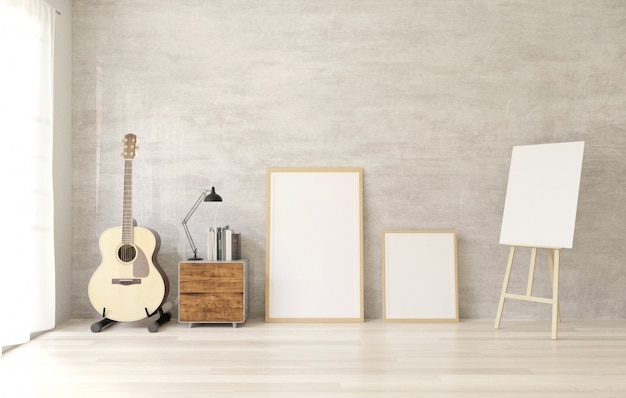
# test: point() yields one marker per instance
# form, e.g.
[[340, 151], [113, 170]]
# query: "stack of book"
[[223, 244]]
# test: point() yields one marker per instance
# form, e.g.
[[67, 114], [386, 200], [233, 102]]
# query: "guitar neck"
[[127, 214]]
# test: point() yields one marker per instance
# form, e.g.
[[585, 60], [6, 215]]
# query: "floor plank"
[[370, 359]]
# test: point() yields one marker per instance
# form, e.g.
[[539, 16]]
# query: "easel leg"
[[551, 266], [555, 296], [531, 271], [505, 285]]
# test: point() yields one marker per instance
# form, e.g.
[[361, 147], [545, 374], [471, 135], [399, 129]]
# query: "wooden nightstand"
[[212, 292]]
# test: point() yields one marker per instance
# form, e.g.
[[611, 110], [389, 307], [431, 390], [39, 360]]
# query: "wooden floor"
[[371, 359]]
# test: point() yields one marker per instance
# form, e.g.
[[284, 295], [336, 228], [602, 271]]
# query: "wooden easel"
[[553, 264], [541, 221]]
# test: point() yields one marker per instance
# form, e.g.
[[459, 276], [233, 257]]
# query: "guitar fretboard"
[[127, 213]]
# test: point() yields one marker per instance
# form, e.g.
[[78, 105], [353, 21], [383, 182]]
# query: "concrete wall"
[[429, 97]]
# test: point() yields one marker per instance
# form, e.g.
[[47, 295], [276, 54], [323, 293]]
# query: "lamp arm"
[[188, 216]]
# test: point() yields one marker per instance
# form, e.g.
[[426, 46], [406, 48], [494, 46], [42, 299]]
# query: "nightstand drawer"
[[211, 277], [204, 307]]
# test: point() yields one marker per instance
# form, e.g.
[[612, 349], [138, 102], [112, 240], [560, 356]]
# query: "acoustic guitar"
[[129, 284]]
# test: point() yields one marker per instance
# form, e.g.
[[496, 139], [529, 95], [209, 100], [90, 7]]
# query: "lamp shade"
[[213, 197]]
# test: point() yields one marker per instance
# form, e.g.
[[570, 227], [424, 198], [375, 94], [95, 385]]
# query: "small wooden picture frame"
[[420, 276]]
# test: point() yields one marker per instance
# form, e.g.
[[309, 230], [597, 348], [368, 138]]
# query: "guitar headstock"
[[129, 146]]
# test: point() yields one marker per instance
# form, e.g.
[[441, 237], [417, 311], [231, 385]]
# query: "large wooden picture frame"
[[420, 276], [314, 265]]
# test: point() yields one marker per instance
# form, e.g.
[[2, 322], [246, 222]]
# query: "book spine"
[[228, 244], [210, 244], [219, 256], [236, 246]]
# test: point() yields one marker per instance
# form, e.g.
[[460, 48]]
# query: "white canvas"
[[542, 195]]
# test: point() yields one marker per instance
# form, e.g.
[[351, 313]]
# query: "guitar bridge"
[[126, 282]]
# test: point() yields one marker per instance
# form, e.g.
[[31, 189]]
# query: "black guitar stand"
[[98, 326], [153, 327], [164, 317]]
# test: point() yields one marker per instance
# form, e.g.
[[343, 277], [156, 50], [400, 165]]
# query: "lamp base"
[[194, 258]]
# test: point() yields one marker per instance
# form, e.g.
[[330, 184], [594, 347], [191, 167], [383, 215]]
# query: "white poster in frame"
[[420, 276], [314, 264]]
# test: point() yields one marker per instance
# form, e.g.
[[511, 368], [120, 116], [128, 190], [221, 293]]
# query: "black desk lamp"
[[206, 197]]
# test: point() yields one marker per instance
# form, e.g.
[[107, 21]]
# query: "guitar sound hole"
[[127, 253]]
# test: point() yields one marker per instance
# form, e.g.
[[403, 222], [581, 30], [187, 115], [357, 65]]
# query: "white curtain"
[[27, 278]]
